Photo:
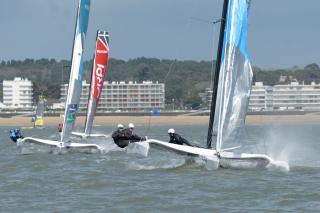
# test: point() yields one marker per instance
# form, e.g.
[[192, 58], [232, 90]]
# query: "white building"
[[17, 94], [293, 96], [260, 97], [123, 96], [296, 96]]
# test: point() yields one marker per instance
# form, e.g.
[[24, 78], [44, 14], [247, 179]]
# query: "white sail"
[[75, 81], [235, 75]]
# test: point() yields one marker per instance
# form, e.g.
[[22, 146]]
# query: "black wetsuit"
[[133, 137], [177, 139], [123, 138]]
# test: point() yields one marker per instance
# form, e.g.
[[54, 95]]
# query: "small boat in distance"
[[39, 118]]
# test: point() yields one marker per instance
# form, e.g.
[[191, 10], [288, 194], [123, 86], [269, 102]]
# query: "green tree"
[[193, 99]]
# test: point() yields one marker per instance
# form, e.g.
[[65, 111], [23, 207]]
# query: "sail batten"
[[75, 81], [100, 64]]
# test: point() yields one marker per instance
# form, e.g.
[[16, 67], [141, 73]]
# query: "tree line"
[[184, 80]]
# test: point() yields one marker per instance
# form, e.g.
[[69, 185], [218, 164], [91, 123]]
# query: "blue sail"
[[235, 76], [75, 81]]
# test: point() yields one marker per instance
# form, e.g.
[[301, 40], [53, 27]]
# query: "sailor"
[[129, 133], [177, 139], [18, 133], [60, 127], [15, 134], [122, 137], [119, 137]]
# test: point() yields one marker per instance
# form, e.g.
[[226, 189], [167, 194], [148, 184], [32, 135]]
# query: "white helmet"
[[131, 125], [171, 131], [120, 126]]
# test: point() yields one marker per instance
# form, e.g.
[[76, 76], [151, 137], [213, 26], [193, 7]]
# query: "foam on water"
[[279, 166], [290, 147], [167, 163], [141, 148]]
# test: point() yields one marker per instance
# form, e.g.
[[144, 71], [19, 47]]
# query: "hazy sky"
[[282, 33]]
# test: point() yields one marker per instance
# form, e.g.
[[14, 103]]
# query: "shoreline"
[[174, 120]]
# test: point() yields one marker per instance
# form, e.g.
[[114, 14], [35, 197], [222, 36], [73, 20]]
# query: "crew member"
[[129, 133], [15, 134], [177, 139], [122, 137], [119, 137], [60, 127]]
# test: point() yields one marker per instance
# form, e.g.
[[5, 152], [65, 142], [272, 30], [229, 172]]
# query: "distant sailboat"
[[100, 64], [74, 89], [39, 118], [230, 97]]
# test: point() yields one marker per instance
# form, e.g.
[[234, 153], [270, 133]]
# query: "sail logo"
[[99, 72], [71, 113]]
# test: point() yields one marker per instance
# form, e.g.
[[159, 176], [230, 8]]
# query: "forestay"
[[75, 81]]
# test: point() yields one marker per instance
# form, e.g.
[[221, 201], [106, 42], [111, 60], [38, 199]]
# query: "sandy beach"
[[188, 120]]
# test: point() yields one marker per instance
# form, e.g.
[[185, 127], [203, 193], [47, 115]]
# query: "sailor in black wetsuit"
[[122, 137], [177, 139], [118, 136]]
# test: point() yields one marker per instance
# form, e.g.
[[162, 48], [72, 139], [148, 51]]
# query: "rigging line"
[[149, 124], [213, 48], [165, 79], [170, 69], [213, 23]]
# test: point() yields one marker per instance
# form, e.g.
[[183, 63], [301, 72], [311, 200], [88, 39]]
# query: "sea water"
[[120, 181]]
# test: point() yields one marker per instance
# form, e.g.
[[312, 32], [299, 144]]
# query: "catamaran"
[[100, 64], [74, 90], [231, 91], [39, 118]]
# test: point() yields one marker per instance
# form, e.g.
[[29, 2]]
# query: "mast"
[[75, 80], [217, 72]]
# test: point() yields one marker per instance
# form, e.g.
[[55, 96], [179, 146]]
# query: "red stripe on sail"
[[99, 70]]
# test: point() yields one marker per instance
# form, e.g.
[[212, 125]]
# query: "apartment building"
[[122, 96], [293, 96], [17, 94]]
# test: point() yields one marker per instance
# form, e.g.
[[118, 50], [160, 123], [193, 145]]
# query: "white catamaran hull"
[[208, 155], [77, 147], [223, 159], [84, 135]]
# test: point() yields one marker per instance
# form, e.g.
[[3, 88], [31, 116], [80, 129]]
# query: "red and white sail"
[[100, 65]]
